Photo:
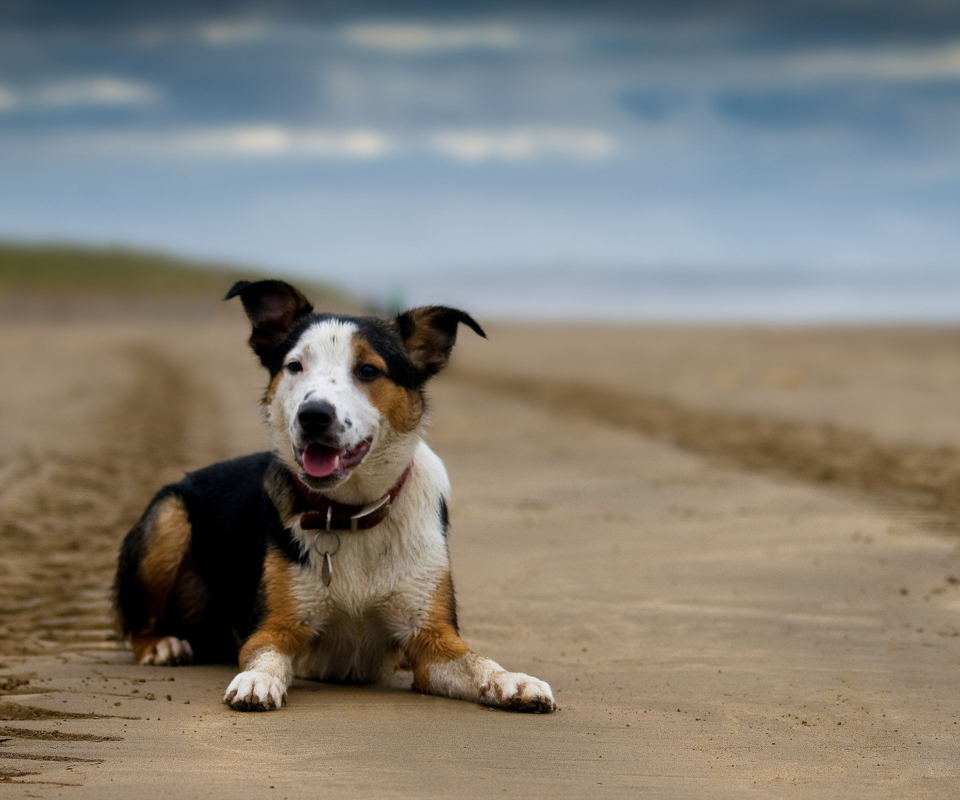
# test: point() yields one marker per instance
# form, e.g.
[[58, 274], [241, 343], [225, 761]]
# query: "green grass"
[[67, 270]]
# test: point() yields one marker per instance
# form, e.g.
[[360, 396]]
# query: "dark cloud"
[[781, 22], [786, 25], [879, 112], [651, 106]]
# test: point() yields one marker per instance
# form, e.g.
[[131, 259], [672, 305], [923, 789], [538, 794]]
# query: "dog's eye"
[[294, 367], [368, 372]]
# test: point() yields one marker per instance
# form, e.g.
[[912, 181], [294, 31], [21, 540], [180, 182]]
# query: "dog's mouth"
[[321, 461]]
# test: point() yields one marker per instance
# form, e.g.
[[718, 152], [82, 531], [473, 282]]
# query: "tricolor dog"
[[327, 558]]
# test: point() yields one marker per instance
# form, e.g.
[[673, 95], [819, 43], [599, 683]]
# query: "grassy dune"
[[66, 270]]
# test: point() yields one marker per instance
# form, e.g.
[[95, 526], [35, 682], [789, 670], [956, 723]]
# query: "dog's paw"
[[168, 652], [514, 691], [255, 691]]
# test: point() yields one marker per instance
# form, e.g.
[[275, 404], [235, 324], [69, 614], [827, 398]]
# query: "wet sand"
[[715, 621]]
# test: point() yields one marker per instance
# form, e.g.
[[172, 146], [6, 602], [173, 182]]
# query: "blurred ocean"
[[783, 295]]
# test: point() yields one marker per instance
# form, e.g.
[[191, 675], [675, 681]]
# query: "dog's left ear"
[[273, 308], [429, 334]]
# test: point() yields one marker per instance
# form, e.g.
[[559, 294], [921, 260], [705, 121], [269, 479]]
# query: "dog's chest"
[[377, 586], [346, 574], [383, 573], [382, 581]]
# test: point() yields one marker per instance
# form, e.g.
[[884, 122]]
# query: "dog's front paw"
[[255, 691], [168, 652], [514, 691]]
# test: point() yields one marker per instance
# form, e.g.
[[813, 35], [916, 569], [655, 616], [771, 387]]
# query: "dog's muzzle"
[[322, 454]]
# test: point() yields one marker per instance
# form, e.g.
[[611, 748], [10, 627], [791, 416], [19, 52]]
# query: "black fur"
[[273, 308], [444, 516], [445, 526]]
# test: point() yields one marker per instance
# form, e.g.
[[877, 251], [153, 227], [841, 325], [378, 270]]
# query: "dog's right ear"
[[273, 308], [429, 333]]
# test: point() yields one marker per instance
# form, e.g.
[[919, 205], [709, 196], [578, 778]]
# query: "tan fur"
[[283, 627], [401, 407], [142, 645], [272, 388], [165, 551], [437, 641], [422, 339], [277, 485]]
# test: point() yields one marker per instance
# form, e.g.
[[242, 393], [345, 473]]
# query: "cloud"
[[95, 91], [216, 32], [793, 109], [8, 99], [227, 143], [267, 140], [889, 64], [235, 31], [419, 39], [648, 105], [524, 144], [258, 142], [874, 111]]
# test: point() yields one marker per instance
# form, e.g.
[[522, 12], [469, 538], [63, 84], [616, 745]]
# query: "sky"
[[621, 158]]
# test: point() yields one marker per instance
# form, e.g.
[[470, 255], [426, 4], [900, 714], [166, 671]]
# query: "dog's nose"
[[316, 417]]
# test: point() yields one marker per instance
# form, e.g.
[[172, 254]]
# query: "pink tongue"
[[319, 461]]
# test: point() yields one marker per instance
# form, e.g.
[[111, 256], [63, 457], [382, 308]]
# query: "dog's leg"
[[161, 651], [150, 565], [266, 659], [443, 664], [262, 685]]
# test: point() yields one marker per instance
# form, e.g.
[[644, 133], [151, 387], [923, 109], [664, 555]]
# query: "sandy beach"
[[733, 552]]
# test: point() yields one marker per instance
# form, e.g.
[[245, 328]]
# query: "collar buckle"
[[384, 502]]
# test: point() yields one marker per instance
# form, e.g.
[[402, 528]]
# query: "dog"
[[326, 558]]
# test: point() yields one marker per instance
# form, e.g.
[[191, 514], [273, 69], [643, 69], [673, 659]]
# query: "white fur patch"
[[514, 691], [472, 677], [463, 677], [169, 652], [255, 691], [325, 352]]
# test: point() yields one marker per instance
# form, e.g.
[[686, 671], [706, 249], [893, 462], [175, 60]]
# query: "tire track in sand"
[[62, 515], [920, 480]]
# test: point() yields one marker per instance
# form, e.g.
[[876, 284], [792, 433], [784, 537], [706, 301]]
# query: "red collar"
[[329, 515]]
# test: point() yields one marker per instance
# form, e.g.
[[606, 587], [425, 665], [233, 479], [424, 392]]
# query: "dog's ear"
[[429, 334], [273, 307]]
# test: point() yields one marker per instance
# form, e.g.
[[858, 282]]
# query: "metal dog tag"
[[326, 571], [326, 565]]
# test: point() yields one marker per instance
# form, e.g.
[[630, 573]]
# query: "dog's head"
[[344, 391]]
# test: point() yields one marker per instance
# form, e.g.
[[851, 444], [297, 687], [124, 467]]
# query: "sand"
[[714, 623]]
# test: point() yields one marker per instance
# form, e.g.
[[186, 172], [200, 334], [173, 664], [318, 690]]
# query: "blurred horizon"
[[646, 160]]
